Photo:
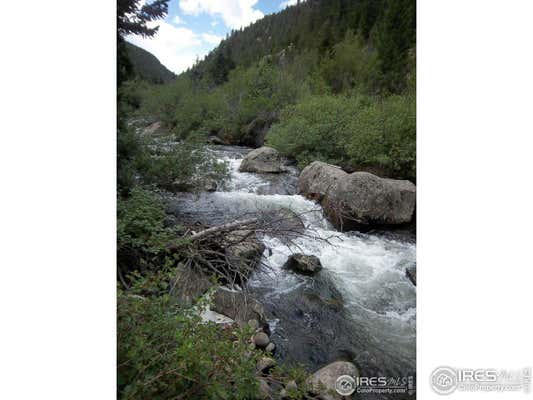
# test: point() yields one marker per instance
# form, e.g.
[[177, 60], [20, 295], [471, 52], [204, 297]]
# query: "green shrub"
[[385, 136], [141, 234], [166, 352], [314, 129], [131, 155], [183, 166], [355, 132]]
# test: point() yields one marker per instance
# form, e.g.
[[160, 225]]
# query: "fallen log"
[[222, 228]]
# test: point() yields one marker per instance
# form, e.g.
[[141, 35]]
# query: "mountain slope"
[[387, 26], [147, 66]]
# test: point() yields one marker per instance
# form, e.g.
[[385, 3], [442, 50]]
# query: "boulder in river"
[[238, 306], [410, 272], [303, 263], [358, 199], [264, 160], [322, 382]]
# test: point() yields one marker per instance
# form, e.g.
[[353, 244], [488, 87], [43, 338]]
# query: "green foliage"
[[133, 17], [389, 138], [182, 166], [352, 131], [141, 233], [131, 154], [386, 26], [166, 352], [140, 222], [251, 92], [314, 129], [396, 34], [351, 65], [190, 109]]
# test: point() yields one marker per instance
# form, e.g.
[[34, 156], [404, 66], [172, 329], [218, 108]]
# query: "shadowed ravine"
[[360, 307]]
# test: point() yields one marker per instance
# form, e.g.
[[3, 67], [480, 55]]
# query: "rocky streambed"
[[360, 306]]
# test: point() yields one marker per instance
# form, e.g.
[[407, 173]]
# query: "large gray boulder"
[[360, 198], [319, 179], [264, 160], [303, 263], [322, 382]]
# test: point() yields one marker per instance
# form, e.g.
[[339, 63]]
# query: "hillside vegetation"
[[147, 66], [334, 80]]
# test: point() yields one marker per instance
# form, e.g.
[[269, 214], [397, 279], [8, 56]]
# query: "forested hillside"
[[147, 66], [330, 80], [316, 26]]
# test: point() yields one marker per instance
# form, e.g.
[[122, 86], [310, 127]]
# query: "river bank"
[[359, 308]]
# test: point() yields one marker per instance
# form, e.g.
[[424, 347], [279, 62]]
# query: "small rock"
[[291, 385], [265, 363], [261, 339], [270, 347], [254, 324], [283, 394], [251, 346], [303, 263], [210, 186], [264, 390], [410, 272]]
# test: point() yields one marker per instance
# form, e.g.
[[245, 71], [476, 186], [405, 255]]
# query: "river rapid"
[[361, 307]]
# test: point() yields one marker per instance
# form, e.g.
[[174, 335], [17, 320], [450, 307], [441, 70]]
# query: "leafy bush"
[[182, 166], [355, 132], [385, 135], [166, 352], [141, 232], [190, 108]]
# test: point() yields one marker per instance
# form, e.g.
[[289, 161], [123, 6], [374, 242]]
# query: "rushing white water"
[[368, 270]]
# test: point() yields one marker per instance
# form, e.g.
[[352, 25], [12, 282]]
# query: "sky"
[[193, 28]]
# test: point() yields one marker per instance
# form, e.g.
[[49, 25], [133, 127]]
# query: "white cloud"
[[211, 39], [234, 13], [176, 47], [177, 20], [287, 3]]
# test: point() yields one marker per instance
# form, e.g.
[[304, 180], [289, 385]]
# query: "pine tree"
[[396, 34]]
